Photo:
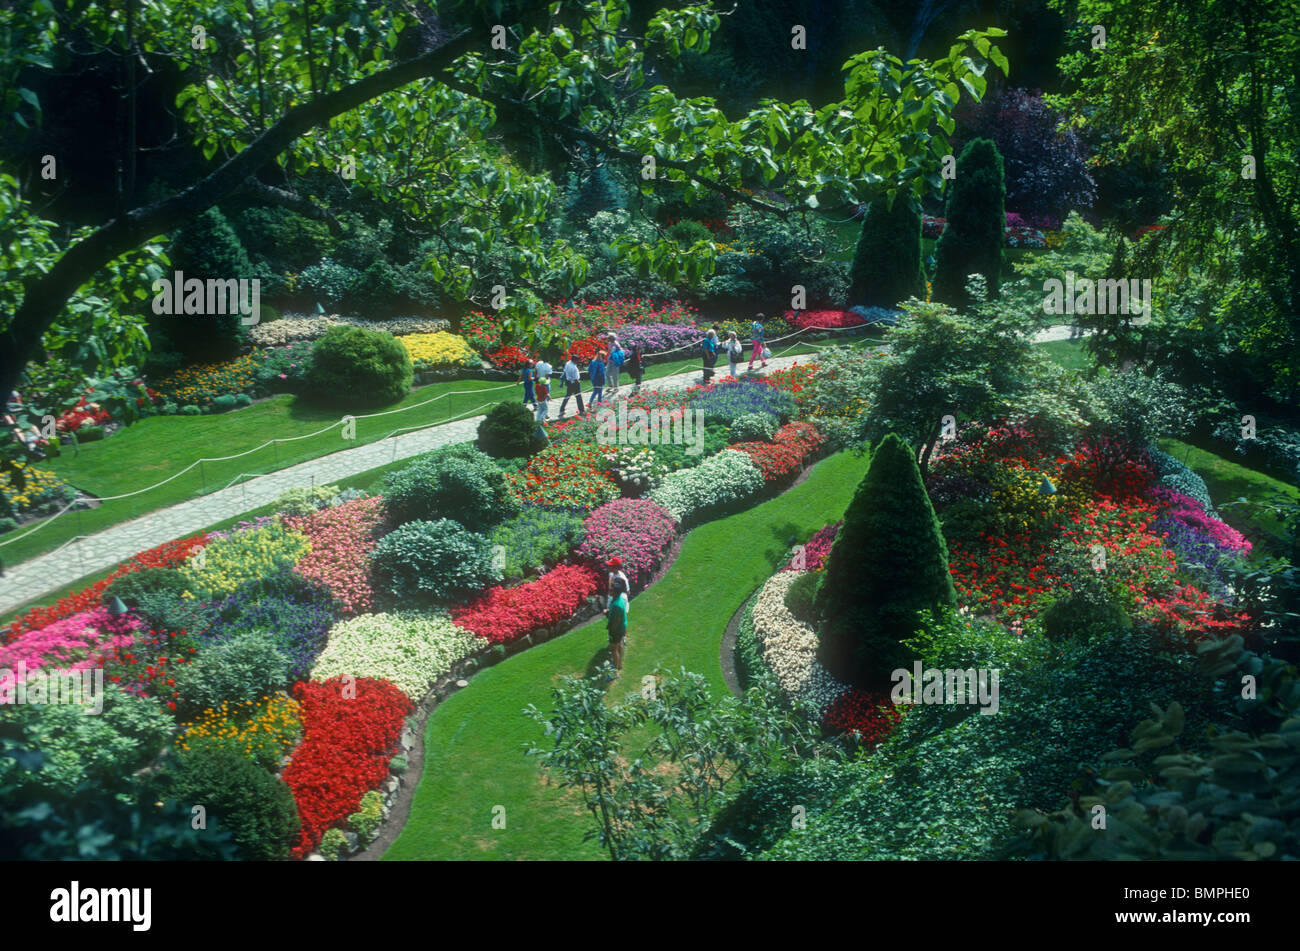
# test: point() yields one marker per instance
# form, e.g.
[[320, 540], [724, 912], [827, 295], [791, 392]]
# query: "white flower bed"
[[790, 646], [409, 648], [289, 329], [729, 476]]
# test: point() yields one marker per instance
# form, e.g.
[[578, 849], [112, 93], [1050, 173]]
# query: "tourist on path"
[[735, 352], [596, 370], [543, 388], [527, 377], [756, 338], [636, 366], [572, 386], [617, 356], [709, 345]]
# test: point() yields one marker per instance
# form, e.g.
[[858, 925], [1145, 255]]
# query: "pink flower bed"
[[636, 530], [815, 550], [1187, 510], [341, 541], [503, 615], [74, 643], [804, 319]]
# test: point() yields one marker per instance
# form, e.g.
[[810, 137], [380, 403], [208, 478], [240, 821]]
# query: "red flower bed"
[[81, 415], [777, 462], [509, 358], [503, 615], [346, 745], [803, 437], [822, 319], [869, 715], [794, 379], [164, 556]]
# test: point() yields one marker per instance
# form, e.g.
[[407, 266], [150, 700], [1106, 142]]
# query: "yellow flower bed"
[[260, 730], [442, 349], [201, 384], [40, 487]]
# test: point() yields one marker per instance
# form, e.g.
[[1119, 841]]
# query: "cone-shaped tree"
[[972, 241], [887, 263], [889, 564]]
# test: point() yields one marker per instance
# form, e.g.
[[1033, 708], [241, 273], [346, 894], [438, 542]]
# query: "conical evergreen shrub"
[[972, 241], [889, 564], [887, 263]]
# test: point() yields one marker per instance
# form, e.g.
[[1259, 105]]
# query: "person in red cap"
[[616, 583]]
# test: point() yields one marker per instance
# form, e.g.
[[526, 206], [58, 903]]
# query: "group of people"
[[604, 371], [30, 438], [712, 345]]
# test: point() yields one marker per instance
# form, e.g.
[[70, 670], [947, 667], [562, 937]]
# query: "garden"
[[985, 548]]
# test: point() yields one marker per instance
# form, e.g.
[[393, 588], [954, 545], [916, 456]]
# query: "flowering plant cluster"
[[778, 463], [509, 358], [636, 468], [163, 556], [789, 646], [823, 319], [568, 474], [296, 327], [41, 489], [350, 732], [259, 730], [815, 550], [82, 414], [409, 649], [869, 716], [203, 383], [502, 615], [147, 665], [794, 380], [727, 399], [580, 320], [341, 540], [73, 643], [250, 555], [720, 480], [436, 350], [656, 338], [638, 531]]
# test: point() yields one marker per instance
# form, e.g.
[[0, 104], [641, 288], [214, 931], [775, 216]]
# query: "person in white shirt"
[[572, 386]]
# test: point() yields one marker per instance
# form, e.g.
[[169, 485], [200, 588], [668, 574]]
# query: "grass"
[[1070, 354], [474, 741], [1229, 482], [154, 449]]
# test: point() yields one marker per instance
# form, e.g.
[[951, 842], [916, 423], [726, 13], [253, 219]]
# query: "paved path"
[[29, 580]]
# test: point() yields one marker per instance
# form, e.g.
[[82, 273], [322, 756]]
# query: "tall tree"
[[887, 262], [972, 241], [887, 568]]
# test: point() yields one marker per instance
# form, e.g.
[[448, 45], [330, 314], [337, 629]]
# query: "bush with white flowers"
[[289, 329], [411, 649], [720, 480], [635, 467], [789, 646]]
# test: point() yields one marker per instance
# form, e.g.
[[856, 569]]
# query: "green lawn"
[[161, 446], [1069, 354], [474, 741], [1229, 481]]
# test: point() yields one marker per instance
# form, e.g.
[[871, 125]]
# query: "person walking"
[[527, 378], [596, 370], [617, 615], [710, 347], [542, 388], [756, 338], [572, 386], [636, 366], [735, 353], [617, 356]]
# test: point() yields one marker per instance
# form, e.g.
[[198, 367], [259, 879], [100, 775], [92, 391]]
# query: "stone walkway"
[[29, 580]]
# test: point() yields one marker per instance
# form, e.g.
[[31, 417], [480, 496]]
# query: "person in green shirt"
[[617, 615]]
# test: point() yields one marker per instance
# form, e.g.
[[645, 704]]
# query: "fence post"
[[275, 448], [203, 476]]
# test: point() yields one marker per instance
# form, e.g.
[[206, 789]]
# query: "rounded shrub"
[[131, 587], [360, 366], [244, 668], [509, 431], [224, 403], [189, 409], [1083, 614], [257, 808], [802, 595], [753, 427], [429, 563], [458, 481]]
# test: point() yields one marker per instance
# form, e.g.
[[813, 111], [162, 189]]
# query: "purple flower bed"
[[659, 337], [636, 530], [747, 395], [1187, 511], [300, 622], [1196, 553]]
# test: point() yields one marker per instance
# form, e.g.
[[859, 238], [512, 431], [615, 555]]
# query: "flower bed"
[[727, 399], [350, 732], [567, 475], [439, 351], [410, 649], [638, 531], [77, 642], [580, 320], [870, 717], [789, 646], [502, 615], [164, 556], [510, 358], [251, 555], [42, 490], [656, 338], [262, 731], [341, 540], [813, 557], [717, 482], [823, 319]]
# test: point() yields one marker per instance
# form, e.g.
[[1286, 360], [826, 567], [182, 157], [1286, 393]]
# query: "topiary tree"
[[360, 367], [509, 431], [455, 481], [888, 566], [972, 242], [887, 263]]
